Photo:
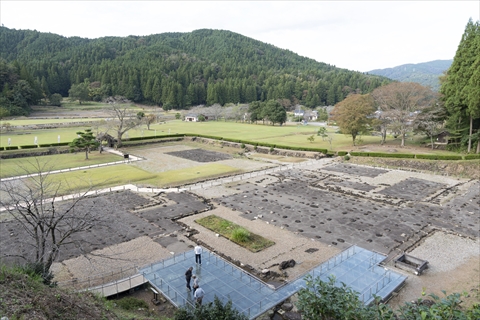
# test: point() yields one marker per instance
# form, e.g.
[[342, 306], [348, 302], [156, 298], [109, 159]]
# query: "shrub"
[[332, 300], [438, 157], [29, 146], [342, 153], [215, 310], [56, 144], [240, 235], [472, 156], [382, 155], [255, 147], [130, 304], [11, 148], [272, 149], [37, 270], [346, 157], [391, 155], [242, 145]]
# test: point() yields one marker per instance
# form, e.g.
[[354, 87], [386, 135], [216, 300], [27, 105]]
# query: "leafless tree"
[[401, 102], [381, 122], [431, 121], [216, 110], [123, 118], [33, 203], [239, 111]]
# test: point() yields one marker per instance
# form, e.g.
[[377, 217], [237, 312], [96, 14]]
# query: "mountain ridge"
[[425, 73]]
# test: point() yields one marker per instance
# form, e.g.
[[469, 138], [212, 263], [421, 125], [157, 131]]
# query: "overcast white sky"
[[356, 35]]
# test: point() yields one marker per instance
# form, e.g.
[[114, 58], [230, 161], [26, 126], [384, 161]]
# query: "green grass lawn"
[[27, 137], [104, 177], [122, 174], [289, 135], [235, 233], [22, 166]]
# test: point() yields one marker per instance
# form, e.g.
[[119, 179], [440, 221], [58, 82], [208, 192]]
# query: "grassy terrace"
[[110, 175], [290, 135], [19, 166], [235, 233]]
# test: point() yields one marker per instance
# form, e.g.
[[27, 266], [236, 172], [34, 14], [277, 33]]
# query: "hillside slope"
[[178, 70], [426, 73]]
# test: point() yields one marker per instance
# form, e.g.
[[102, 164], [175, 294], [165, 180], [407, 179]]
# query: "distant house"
[[309, 115], [298, 112], [194, 117]]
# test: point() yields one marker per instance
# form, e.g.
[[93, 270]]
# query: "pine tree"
[[459, 89]]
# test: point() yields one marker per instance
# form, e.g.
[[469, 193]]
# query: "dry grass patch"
[[235, 233]]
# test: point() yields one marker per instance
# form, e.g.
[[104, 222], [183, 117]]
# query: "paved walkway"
[[357, 267], [119, 286]]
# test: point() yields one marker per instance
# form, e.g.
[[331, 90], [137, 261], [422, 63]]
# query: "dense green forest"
[[172, 70]]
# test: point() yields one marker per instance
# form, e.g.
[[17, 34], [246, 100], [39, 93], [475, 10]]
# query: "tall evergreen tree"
[[459, 86]]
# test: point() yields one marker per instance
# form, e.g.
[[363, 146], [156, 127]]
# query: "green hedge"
[[29, 146], [391, 155], [265, 144], [383, 155], [472, 156], [342, 153], [438, 157], [176, 135], [233, 140], [11, 148], [324, 151], [56, 144], [202, 136]]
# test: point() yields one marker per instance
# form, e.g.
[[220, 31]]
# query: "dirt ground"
[[325, 203]]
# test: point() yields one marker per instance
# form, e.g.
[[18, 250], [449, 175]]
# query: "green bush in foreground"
[[322, 300], [213, 310], [131, 304]]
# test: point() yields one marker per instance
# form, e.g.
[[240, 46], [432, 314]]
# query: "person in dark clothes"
[[188, 277]]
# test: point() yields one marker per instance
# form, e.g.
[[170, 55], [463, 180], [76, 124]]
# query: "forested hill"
[[426, 73], [177, 70]]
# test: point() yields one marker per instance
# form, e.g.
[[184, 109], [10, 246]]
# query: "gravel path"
[[454, 266]]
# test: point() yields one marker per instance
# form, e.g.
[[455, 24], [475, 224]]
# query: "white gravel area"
[[446, 251], [454, 266], [111, 260]]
